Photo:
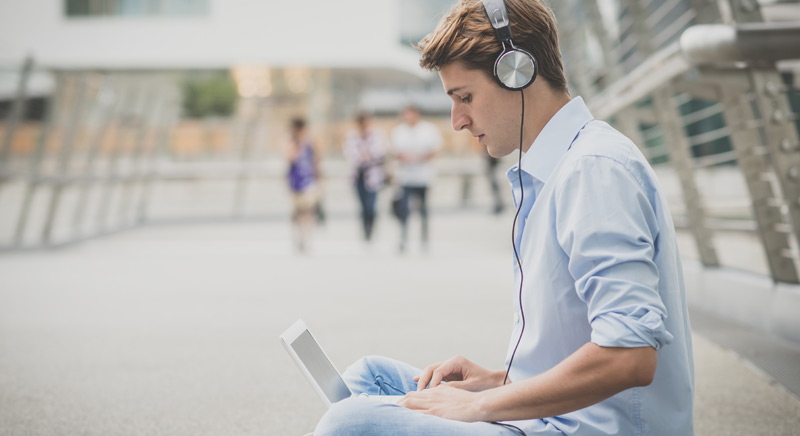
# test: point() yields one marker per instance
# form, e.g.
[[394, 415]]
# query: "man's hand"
[[445, 401], [460, 373]]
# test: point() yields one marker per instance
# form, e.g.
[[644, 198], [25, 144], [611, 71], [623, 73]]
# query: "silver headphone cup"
[[515, 69]]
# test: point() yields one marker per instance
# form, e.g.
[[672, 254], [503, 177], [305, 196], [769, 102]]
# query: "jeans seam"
[[374, 377], [378, 381], [384, 383]]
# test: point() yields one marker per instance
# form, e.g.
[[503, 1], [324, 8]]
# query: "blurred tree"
[[209, 96]]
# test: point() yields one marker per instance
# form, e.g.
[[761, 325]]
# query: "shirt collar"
[[555, 139]]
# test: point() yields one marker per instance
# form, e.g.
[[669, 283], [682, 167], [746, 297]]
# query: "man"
[[415, 143], [601, 341]]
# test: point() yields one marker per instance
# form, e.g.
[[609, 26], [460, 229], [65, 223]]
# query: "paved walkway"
[[174, 330]]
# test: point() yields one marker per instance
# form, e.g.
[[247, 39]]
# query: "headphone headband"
[[515, 69], [498, 17]]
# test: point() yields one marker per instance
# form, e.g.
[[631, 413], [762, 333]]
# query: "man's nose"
[[459, 119]]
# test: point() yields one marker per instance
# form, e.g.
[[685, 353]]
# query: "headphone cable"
[[514, 239], [519, 262]]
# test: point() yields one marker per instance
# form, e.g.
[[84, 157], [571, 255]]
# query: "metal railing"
[[112, 152], [700, 86], [101, 136]]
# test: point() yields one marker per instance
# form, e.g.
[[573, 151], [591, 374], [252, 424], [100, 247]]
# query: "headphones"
[[515, 69]]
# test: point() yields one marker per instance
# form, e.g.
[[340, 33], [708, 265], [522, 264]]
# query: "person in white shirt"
[[415, 143], [365, 148]]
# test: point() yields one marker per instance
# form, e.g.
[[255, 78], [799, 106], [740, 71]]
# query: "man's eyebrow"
[[453, 90]]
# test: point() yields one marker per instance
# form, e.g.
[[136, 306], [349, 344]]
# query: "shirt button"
[[516, 317]]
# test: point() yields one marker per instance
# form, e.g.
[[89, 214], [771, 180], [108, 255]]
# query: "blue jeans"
[[420, 194], [367, 200], [376, 375]]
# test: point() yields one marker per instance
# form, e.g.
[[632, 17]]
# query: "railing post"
[[255, 112], [780, 139], [681, 159], [35, 165], [121, 133], [752, 155], [15, 115], [142, 120], [108, 101], [169, 112], [60, 179]]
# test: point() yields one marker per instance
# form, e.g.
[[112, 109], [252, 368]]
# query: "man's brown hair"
[[465, 34]]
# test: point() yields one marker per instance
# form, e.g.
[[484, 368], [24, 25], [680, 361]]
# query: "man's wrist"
[[499, 378], [487, 400], [484, 406]]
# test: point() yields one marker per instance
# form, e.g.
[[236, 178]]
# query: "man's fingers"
[[425, 378], [456, 384], [445, 372], [434, 374], [422, 380], [437, 377], [414, 401]]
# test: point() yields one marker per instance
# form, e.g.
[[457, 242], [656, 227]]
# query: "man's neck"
[[541, 105]]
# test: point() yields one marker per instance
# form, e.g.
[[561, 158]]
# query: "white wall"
[[340, 33]]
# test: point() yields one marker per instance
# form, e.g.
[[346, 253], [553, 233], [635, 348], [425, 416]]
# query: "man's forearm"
[[588, 376]]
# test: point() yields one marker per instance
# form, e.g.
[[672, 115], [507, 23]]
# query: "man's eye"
[[466, 99]]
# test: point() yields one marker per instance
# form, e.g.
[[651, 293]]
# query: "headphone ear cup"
[[515, 69]]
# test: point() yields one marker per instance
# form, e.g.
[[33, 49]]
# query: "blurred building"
[[205, 34], [319, 58], [101, 100]]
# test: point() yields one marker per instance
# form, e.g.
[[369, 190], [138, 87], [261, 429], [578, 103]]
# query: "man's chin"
[[496, 153]]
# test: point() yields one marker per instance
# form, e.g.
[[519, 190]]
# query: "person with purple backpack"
[[303, 178]]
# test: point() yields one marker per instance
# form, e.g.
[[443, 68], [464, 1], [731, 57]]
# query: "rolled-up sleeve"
[[607, 227]]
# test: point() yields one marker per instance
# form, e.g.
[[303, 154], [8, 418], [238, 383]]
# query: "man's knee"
[[367, 365], [356, 416]]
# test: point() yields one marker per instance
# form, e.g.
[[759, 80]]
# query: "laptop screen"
[[320, 367]]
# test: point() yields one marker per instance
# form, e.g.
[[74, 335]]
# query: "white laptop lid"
[[314, 363]]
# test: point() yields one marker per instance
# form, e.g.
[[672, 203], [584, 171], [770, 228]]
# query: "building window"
[[419, 17], [135, 8]]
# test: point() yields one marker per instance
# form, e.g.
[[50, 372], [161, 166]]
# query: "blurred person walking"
[[491, 164], [415, 143], [303, 179], [494, 185], [365, 148]]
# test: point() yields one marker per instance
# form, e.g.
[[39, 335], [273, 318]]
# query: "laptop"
[[318, 368]]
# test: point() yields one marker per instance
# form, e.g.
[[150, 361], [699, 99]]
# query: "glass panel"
[[135, 8], [77, 7]]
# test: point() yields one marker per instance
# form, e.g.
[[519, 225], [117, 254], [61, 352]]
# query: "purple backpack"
[[301, 170]]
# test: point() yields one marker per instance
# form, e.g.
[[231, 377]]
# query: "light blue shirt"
[[600, 264]]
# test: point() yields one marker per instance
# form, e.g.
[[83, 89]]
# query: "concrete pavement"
[[173, 330]]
